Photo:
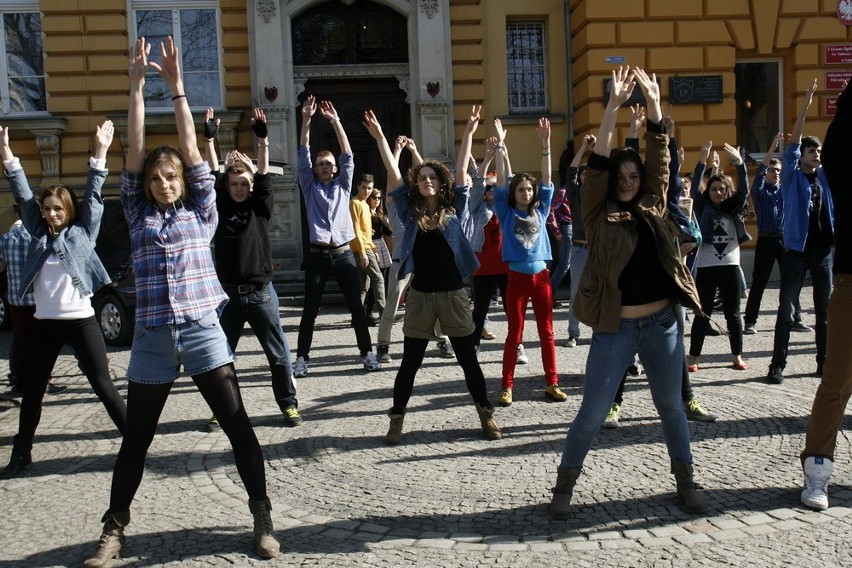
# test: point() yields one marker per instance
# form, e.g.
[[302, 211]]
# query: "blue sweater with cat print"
[[524, 235]]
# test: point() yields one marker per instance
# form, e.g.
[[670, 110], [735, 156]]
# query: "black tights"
[[144, 405], [412, 357]]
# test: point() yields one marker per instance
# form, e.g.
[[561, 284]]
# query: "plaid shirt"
[[175, 278], [768, 204], [13, 251]]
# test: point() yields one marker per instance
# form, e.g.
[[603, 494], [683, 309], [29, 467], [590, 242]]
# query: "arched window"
[[363, 32]]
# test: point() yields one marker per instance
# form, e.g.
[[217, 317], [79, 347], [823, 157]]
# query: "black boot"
[[17, 463], [687, 491], [566, 478]]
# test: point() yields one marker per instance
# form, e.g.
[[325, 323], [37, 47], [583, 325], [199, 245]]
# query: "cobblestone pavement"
[[446, 496]]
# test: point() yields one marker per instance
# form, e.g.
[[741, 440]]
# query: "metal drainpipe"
[[569, 74]]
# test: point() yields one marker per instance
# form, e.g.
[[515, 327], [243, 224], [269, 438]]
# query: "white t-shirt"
[[723, 249], [56, 297]]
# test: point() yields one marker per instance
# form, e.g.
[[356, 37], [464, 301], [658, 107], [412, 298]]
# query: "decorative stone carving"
[[48, 147], [429, 7], [48, 133], [266, 9]]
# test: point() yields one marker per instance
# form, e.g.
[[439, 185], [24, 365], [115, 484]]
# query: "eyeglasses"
[[325, 164]]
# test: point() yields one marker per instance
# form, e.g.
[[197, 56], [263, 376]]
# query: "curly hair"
[[417, 203], [164, 155]]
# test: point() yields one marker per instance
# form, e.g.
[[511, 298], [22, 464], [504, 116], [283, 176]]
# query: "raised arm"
[[739, 198], [700, 167], [799, 125], [651, 90], [500, 149], [258, 126], [637, 117], [169, 69], [5, 149], [543, 131], [309, 108], [588, 142], [329, 113], [211, 127], [622, 87], [416, 158], [464, 148], [372, 125], [490, 151], [135, 159], [774, 147], [103, 138]]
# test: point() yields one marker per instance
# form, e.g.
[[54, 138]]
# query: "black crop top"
[[643, 279]]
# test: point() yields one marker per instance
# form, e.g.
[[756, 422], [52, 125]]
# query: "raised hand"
[[543, 131], [775, 146], [501, 132], [5, 150], [589, 141], [651, 90], [400, 143], [169, 66], [473, 119], [103, 138], [623, 82], [809, 94], [371, 123], [258, 123], [735, 154], [705, 151], [309, 107], [327, 111], [490, 145], [211, 124], [636, 119], [716, 162], [138, 66]]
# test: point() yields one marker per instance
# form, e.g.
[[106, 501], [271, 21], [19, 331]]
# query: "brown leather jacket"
[[612, 239]]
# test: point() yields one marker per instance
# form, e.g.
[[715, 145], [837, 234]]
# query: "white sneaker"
[[370, 362], [571, 342], [522, 355], [300, 368], [817, 474]]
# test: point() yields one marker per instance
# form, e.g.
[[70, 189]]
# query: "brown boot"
[[264, 543], [687, 491], [566, 478], [394, 435], [489, 426], [112, 540]]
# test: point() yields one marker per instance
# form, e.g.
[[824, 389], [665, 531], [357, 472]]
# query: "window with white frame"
[[525, 65], [759, 104], [194, 25], [22, 68]]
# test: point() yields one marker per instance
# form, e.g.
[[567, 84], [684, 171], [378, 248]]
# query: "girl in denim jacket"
[[436, 250], [63, 271]]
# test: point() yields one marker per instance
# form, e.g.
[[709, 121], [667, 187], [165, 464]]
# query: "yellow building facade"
[[740, 68]]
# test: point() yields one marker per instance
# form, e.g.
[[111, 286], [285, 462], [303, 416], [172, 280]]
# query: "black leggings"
[[144, 405], [727, 280], [47, 339], [412, 357]]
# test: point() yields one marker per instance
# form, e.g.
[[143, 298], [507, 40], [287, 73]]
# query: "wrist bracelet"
[[264, 145], [176, 97], [545, 153]]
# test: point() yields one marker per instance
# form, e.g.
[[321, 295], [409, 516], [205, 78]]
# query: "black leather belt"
[[243, 288], [316, 249], [579, 244]]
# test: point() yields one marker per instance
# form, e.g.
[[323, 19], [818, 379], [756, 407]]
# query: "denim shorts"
[[158, 352]]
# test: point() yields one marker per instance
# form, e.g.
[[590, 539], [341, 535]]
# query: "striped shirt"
[[13, 251], [175, 277]]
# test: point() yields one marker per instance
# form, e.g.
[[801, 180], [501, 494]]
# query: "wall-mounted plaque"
[[695, 90]]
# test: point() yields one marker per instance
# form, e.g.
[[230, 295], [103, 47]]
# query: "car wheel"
[[112, 317], [5, 318]]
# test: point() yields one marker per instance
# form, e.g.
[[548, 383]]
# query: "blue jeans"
[[659, 343], [260, 309], [794, 264], [579, 255], [561, 268], [317, 270]]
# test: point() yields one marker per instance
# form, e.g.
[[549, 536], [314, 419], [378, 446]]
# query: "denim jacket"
[[75, 244], [465, 258], [734, 206], [796, 190]]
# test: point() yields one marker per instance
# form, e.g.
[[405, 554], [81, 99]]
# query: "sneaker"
[[486, 334], [554, 393], [612, 417], [522, 355], [817, 474], [505, 398], [55, 389], [749, 329], [775, 375], [382, 353], [370, 362], [300, 368], [694, 411], [213, 423], [571, 342], [445, 350], [800, 327], [292, 416]]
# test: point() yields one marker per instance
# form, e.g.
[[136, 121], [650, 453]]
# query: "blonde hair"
[[164, 155]]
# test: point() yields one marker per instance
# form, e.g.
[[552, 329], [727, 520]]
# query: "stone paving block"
[[782, 514], [837, 512], [670, 531], [605, 535], [693, 539], [757, 519], [728, 524], [443, 543], [652, 542], [578, 546], [636, 534], [758, 530], [545, 547], [470, 547], [620, 544], [729, 534], [507, 547]]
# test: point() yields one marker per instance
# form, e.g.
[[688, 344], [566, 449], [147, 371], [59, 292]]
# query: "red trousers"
[[522, 288]]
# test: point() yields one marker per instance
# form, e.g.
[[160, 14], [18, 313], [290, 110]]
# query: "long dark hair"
[[616, 158], [417, 203], [516, 181]]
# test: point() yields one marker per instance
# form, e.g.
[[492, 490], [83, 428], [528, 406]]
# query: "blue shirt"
[[175, 278], [797, 199], [327, 205], [768, 204], [13, 251], [524, 235]]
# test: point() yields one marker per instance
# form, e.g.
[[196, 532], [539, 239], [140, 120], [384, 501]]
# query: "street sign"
[[838, 54], [615, 59]]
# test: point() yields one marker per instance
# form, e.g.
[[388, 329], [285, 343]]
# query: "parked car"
[[115, 303]]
